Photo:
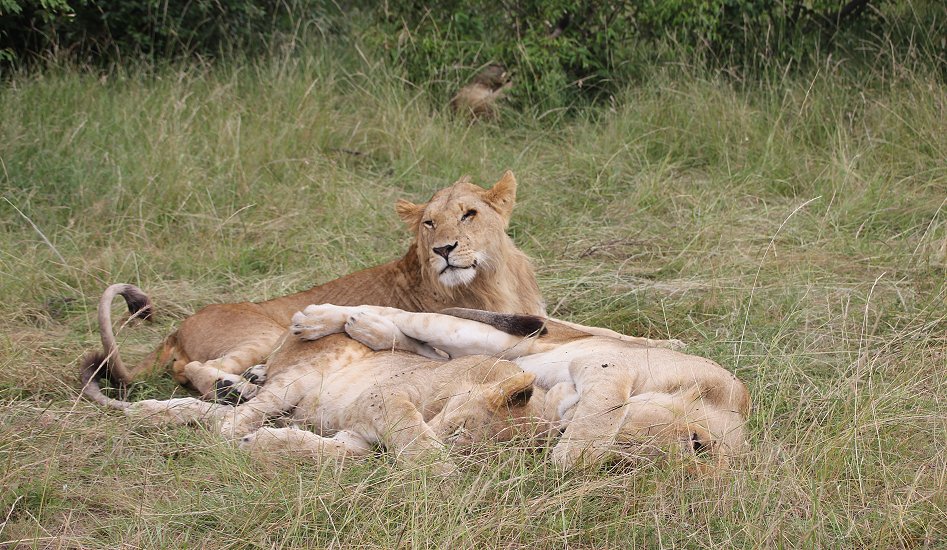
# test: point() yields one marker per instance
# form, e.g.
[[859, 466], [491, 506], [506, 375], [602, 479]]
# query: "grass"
[[792, 228]]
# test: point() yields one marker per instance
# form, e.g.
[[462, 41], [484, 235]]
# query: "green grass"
[[793, 229]]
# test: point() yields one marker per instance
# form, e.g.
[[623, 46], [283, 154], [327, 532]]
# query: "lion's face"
[[493, 411], [461, 230]]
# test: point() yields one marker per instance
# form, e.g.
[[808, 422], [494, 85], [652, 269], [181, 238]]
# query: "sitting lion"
[[460, 256], [355, 398], [613, 396]]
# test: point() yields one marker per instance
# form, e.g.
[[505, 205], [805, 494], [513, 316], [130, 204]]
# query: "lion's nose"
[[444, 251]]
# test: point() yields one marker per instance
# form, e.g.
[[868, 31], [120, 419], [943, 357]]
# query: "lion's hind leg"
[[303, 442], [178, 411], [319, 320], [380, 333], [279, 396], [226, 378]]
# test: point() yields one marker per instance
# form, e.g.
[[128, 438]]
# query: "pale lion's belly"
[[326, 404]]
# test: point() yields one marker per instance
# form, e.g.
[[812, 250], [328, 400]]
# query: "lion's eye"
[[428, 224], [469, 214]]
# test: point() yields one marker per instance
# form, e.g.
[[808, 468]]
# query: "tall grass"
[[791, 228]]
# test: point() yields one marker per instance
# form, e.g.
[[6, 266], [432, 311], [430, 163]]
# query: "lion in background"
[[479, 97], [460, 256]]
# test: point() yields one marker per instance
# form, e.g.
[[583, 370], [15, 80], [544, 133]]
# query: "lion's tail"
[[93, 368], [510, 323], [108, 363]]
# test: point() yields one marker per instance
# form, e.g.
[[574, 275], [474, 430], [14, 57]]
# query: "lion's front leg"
[[402, 430], [422, 333], [598, 416]]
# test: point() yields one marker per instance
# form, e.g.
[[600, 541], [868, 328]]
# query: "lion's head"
[[461, 231], [500, 403]]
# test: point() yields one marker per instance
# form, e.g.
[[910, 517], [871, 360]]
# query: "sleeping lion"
[[614, 397], [355, 399]]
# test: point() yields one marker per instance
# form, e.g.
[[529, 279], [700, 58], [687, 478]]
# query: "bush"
[[97, 30], [568, 51]]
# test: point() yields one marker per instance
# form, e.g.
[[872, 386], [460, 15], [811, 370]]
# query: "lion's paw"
[[264, 439], [255, 374], [373, 330], [283, 440], [566, 455], [317, 321], [232, 392]]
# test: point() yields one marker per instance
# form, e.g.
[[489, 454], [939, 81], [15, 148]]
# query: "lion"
[[478, 98], [626, 398], [356, 399], [460, 256]]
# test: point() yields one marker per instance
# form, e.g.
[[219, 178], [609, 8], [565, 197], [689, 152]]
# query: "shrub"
[[564, 51], [96, 30]]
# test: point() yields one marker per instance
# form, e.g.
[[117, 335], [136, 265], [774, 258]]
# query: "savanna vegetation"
[[785, 215]]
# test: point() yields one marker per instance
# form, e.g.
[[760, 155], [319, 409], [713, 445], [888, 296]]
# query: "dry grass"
[[792, 230]]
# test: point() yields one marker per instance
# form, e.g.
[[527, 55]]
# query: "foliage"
[[95, 30], [564, 51]]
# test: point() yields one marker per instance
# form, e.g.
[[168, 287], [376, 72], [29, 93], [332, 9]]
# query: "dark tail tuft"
[[515, 324], [139, 305]]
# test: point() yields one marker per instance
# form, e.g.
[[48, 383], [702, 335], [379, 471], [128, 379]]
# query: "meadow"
[[792, 227]]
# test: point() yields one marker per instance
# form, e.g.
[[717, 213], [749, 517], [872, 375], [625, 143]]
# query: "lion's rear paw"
[[255, 374], [375, 331], [264, 439], [234, 393], [314, 322]]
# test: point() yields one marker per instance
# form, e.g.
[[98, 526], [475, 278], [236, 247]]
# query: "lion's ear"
[[502, 196], [515, 391], [409, 212]]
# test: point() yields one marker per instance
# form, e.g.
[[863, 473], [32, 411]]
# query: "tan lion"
[[479, 97], [460, 256], [615, 397], [354, 399]]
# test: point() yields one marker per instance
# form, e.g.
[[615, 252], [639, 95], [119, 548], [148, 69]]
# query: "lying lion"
[[612, 396], [356, 399], [460, 256]]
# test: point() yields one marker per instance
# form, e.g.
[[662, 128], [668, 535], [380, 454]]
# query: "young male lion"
[[613, 396], [460, 256]]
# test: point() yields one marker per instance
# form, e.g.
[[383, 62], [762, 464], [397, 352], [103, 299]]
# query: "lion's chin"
[[457, 276]]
